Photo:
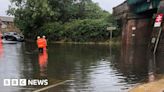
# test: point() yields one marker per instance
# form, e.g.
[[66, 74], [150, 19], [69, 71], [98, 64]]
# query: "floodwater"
[[91, 68]]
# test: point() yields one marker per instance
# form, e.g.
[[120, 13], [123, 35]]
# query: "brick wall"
[[136, 31], [10, 27]]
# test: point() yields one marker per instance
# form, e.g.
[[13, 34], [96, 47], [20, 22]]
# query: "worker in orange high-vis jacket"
[[45, 42], [40, 43]]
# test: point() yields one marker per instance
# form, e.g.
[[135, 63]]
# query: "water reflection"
[[93, 68], [10, 65], [97, 67], [151, 67], [160, 63], [134, 62], [43, 60]]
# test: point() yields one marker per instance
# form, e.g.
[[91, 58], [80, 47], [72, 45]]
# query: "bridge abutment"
[[138, 28]]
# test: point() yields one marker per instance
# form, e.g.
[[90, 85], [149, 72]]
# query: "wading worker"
[[45, 42], [40, 43]]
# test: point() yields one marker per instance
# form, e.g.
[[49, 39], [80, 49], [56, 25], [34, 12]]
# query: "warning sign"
[[158, 20]]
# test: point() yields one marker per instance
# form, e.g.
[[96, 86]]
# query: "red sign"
[[158, 20]]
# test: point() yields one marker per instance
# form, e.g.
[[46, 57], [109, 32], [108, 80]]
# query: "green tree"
[[73, 20]]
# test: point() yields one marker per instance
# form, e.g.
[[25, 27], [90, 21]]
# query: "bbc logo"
[[25, 82], [14, 82]]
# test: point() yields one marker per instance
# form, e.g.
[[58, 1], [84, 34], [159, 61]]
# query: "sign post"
[[158, 22], [111, 34], [111, 31]]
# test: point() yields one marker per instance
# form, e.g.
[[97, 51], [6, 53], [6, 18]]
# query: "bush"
[[52, 30], [86, 30], [77, 30]]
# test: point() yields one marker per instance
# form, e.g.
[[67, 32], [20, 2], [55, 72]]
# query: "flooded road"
[[92, 68]]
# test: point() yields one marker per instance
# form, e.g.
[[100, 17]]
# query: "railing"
[[132, 2], [138, 6]]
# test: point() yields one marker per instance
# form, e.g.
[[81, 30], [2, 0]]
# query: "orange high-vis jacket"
[[45, 42], [40, 43]]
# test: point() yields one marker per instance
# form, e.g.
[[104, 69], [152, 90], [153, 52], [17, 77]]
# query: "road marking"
[[51, 86]]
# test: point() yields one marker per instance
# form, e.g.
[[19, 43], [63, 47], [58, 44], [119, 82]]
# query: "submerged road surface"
[[91, 68]]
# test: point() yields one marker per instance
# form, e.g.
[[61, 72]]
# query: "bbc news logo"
[[25, 82]]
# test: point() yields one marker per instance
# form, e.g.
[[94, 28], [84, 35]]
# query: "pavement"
[[156, 86]]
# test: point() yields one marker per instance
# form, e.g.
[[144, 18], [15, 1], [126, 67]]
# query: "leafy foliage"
[[69, 20]]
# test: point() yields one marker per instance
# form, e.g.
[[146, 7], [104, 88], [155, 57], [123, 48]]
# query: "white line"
[[51, 86]]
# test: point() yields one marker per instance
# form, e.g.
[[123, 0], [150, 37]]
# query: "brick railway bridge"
[[137, 20]]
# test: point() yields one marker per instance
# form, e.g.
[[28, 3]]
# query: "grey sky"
[[3, 7], [108, 4], [105, 4]]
